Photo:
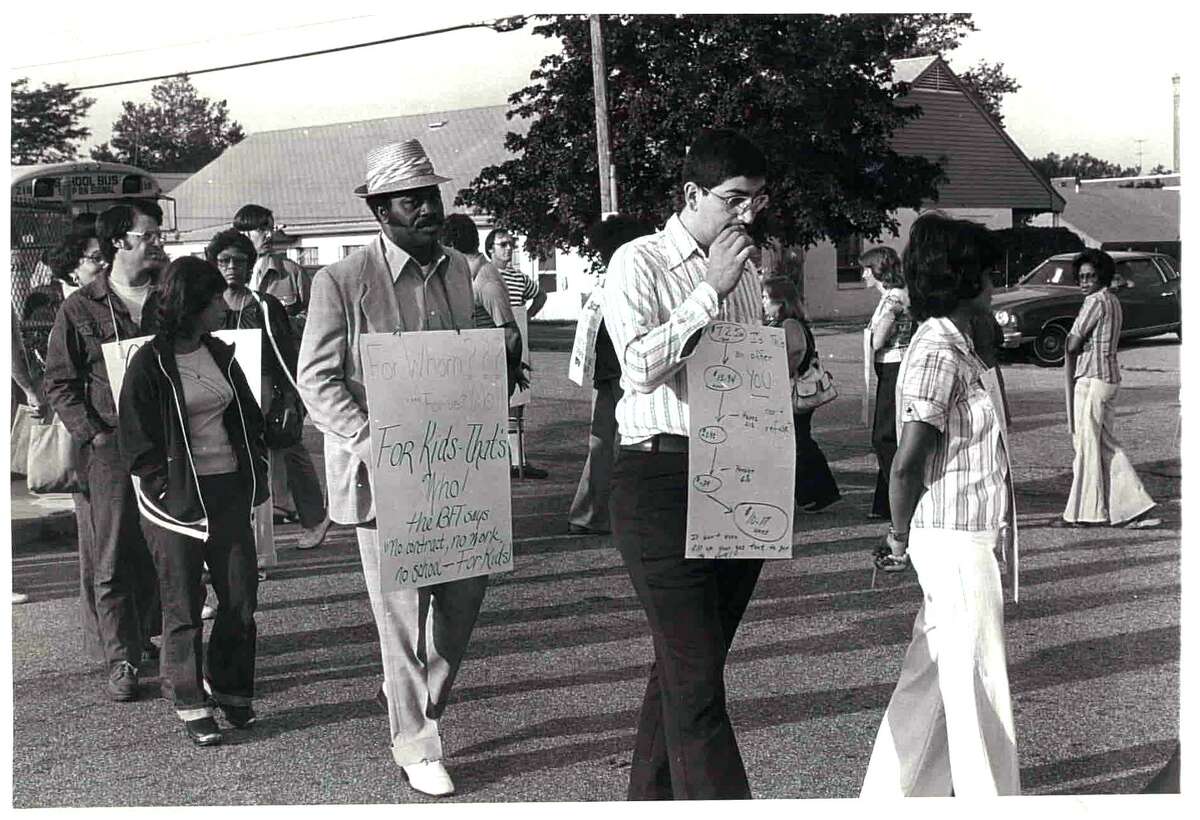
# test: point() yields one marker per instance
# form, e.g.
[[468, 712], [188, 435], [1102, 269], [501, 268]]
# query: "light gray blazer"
[[350, 298]]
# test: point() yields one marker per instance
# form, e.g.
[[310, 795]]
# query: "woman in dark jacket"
[[193, 437]]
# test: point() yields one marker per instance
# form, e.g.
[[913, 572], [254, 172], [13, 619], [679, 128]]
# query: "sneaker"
[[208, 612], [20, 598], [429, 777], [242, 717], [203, 731], [123, 681], [311, 539]]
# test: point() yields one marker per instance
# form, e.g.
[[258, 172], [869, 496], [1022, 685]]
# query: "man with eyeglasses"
[[402, 280], [522, 289], [661, 291], [273, 272], [76, 383]]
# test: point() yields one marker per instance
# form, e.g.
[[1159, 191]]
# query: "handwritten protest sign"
[[439, 454], [741, 455], [521, 396]]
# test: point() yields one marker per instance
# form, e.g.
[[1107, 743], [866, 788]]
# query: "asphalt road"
[[545, 706]]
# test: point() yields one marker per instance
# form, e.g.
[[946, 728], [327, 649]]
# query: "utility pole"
[[608, 177], [1175, 87], [1139, 145]]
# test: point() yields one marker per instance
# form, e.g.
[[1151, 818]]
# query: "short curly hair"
[[460, 233], [230, 238], [64, 257], [943, 264], [1100, 261]]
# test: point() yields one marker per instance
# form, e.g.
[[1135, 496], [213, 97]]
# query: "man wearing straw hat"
[[405, 280]]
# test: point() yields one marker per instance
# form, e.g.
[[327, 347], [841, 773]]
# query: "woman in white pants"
[[948, 728]]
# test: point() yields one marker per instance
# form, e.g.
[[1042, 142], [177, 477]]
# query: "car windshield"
[[1051, 272]]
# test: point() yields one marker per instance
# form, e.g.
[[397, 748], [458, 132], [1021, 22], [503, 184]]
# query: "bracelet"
[[899, 536]]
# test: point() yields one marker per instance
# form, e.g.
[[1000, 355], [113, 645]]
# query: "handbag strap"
[[262, 307]]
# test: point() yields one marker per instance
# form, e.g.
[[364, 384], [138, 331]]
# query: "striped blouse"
[[940, 384], [655, 300], [1099, 326]]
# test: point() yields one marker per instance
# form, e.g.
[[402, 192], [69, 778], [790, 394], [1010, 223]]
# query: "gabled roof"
[[307, 175], [1109, 214], [983, 166]]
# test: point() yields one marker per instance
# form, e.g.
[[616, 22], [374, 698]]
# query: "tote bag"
[[53, 463]]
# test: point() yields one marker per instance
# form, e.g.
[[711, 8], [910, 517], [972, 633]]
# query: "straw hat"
[[400, 166]]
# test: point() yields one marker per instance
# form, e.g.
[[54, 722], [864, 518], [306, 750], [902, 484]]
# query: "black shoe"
[[123, 682], [150, 651], [578, 529], [530, 472], [242, 717], [817, 506], [285, 518], [203, 731]]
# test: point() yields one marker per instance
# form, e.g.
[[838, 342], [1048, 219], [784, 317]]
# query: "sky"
[[1092, 80]]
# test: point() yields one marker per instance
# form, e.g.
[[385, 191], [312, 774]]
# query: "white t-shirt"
[[133, 296]]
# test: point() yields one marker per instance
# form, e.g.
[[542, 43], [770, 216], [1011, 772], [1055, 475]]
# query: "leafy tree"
[[45, 122], [177, 131], [1084, 166], [990, 83], [812, 90]]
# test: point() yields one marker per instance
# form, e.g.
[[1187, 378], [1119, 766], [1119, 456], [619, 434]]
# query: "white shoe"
[[208, 612], [429, 777]]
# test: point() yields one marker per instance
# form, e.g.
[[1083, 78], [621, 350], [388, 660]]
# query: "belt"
[[661, 443]]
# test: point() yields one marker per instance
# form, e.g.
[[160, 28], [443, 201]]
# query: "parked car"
[[1036, 314]]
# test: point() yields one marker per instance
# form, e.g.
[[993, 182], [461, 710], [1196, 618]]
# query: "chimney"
[[1175, 86]]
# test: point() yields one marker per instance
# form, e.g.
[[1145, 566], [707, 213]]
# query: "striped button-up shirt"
[[1099, 326], [655, 300], [940, 384], [521, 288]]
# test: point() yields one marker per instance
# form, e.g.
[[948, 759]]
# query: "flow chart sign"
[[438, 409], [742, 451]]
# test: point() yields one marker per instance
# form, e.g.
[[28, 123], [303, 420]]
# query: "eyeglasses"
[[95, 258], [740, 203], [232, 261], [504, 244], [149, 237]]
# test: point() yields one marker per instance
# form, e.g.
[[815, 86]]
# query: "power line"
[[192, 43], [502, 25]]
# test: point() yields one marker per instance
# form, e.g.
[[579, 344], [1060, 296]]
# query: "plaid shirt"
[[939, 383], [1099, 326], [655, 299]]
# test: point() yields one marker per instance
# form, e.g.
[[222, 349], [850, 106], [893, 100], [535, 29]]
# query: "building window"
[[348, 249], [306, 256], [548, 263], [849, 272]]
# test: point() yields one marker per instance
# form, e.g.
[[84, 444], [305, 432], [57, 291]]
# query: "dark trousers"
[[590, 507], [685, 748], [883, 433], [229, 554], [815, 483], [302, 483], [118, 589]]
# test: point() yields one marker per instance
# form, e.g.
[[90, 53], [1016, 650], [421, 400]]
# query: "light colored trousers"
[[423, 634], [949, 722], [1105, 488]]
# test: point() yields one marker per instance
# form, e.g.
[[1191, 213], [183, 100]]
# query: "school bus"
[[46, 201]]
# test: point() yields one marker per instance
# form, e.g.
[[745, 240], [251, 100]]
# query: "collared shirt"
[[940, 383], [654, 301], [1099, 326], [436, 296]]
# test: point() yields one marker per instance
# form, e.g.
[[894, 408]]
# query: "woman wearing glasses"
[[192, 436]]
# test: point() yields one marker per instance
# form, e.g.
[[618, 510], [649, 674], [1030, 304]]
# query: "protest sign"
[[439, 454], [742, 449]]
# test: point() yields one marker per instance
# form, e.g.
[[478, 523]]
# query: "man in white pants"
[[403, 279]]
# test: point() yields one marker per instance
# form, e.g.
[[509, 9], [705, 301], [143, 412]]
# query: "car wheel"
[[1050, 346]]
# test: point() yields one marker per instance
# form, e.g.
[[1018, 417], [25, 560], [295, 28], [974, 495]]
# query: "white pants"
[[949, 723], [423, 634], [1105, 489]]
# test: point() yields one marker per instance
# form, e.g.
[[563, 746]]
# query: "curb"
[[52, 526]]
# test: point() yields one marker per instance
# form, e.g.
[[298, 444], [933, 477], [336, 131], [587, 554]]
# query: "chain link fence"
[[36, 227]]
